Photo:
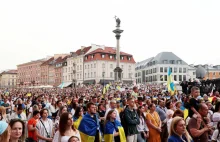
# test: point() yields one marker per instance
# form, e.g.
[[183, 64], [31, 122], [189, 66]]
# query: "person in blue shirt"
[[178, 132]]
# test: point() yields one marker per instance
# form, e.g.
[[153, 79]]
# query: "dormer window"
[[122, 57], [129, 58], [92, 56], [86, 58], [103, 55], [165, 61], [172, 61], [179, 62], [110, 56]]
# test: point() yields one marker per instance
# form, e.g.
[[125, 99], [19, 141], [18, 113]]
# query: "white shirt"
[[64, 138], [15, 116], [117, 114], [41, 130], [215, 135], [216, 118]]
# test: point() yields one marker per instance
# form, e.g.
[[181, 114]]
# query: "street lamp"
[[103, 75]]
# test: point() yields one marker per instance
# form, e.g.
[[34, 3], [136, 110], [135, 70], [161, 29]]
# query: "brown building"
[[51, 70], [29, 73], [8, 79]]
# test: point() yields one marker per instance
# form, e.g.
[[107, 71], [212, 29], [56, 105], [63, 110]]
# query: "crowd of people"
[[110, 113]]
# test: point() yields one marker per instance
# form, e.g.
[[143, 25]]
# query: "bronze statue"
[[118, 21]]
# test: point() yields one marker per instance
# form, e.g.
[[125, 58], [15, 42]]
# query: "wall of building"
[[29, 72], [8, 80], [93, 70]]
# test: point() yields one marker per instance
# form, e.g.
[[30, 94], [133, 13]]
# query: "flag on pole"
[[170, 83]]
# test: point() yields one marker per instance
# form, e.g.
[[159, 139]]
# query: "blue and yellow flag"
[[170, 84], [77, 122], [88, 128], [109, 131]]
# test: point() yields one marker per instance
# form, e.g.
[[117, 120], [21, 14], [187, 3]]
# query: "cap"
[[3, 126]]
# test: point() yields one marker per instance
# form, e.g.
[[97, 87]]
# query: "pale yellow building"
[[8, 79]]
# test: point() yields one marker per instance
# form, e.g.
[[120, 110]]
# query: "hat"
[[3, 126]]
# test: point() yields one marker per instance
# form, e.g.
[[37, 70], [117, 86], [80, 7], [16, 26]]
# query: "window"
[[146, 72], [184, 70], [172, 62], [161, 77], [92, 56], [122, 57], [180, 78], [88, 66], [165, 61], [165, 77], [111, 66], [85, 66], [194, 73], [80, 67], [77, 76], [213, 73], [180, 70], [88, 75], [122, 75], [77, 67], [91, 74], [174, 78], [85, 75], [94, 65], [122, 66], [110, 56], [103, 56], [175, 70], [80, 76], [184, 77], [111, 74], [85, 58], [91, 65], [161, 69], [165, 70], [129, 58], [179, 62], [103, 65], [94, 74]]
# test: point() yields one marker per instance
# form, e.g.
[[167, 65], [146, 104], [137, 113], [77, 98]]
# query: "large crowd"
[[110, 113]]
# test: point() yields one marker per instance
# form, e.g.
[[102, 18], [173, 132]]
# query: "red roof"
[[47, 62], [10, 72], [85, 50], [108, 50]]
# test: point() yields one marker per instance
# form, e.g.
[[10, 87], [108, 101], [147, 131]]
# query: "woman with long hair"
[[66, 129], [5, 131], [178, 132], [78, 117], [17, 130], [154, 124], [113, 130], [142, 127], [216, 134]]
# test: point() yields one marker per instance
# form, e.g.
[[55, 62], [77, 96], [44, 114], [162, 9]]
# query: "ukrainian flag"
[[88, 128], [77, 122], [170, 84], [109, 130]]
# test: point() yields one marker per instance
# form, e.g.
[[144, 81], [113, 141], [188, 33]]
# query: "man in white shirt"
[[113, 106]]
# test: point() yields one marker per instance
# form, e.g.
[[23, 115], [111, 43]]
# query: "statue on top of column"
[[118, 21]]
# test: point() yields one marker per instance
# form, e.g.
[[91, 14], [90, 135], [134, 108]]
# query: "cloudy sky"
[[31, 30]]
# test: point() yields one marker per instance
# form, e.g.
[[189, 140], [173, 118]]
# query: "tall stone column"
[[118, 32]]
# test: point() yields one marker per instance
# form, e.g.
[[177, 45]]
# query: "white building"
[[155, 69], [99, 66], [74, 69]]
